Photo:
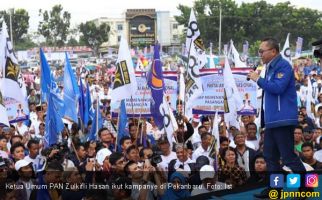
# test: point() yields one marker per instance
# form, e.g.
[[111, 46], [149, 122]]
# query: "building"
[[142, 28]]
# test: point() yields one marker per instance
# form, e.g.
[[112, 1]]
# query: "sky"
[[82, 11]]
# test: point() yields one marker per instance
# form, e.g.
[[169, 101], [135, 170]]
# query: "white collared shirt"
[[186, 167], [201, 152]]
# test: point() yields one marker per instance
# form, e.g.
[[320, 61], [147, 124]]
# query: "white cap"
[[21, 163], [101, 155], [207, 171]]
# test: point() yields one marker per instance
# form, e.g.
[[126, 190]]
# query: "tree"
[[25, 43], [20, 23], [92, 35], [253, 21], [55, 25]]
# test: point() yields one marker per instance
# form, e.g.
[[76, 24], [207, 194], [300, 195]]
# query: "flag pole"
[[137, 130], [118, 122], [169, 110], [97, 110]]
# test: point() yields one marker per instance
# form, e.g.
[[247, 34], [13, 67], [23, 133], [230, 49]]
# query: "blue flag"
[[87, 105], [156, 83], [54, 123], [96, 125], [45, 75], [121, 129], [81, 102], [42, 193], [71, 92]]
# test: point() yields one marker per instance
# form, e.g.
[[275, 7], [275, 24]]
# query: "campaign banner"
[[212, 98], [16, 110], [139, 104]]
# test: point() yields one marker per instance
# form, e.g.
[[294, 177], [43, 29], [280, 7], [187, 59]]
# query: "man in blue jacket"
[[279, 108]]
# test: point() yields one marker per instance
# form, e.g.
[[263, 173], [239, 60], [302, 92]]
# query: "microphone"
[[254, 69]]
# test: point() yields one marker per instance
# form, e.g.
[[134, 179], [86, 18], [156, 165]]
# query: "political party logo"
[[277, 180], [11, 70], [122, 76], [293, 180], [311, 180]]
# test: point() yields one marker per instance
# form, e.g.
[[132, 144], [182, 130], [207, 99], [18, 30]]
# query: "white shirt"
[[243, 161], [254, 143], [38, 163], [201, 152], [318, 155], [166, 160], [303, 93], [33, 116], [35, 126], [186, 167], [22, 129], [196, 139]]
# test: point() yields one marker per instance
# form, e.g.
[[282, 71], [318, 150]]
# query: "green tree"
[[92, 35], [55, 25], [20, 23], [253, 21], [25, 43]]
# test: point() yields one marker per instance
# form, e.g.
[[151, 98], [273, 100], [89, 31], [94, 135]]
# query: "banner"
[[16, 110], [139, 104], [299, 44], [212, 97], [210, 100]]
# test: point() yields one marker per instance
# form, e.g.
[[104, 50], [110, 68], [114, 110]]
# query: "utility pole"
[[219, 40], [10, 23]]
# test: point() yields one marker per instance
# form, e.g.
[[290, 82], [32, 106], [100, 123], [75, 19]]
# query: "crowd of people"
[[155, 168]]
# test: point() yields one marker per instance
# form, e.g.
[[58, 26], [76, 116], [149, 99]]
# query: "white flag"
[[197, 60], [286, 52], [170, 122], [309, 98], [3, 111], [181, 85], [237, 59], [125, 84], [233, 97], [12, 79], [215, 131]]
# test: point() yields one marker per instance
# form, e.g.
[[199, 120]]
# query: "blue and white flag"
[[156, 83], [54, 122], [97, 123], [46, 77], [286, 52], [71, 92], [122, 124]]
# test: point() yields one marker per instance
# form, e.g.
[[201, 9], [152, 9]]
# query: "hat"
[[21, 163], [207, 171], [196, 118], [101, 155]]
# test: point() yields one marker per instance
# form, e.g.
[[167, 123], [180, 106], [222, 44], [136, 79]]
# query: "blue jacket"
[[280, 105]]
